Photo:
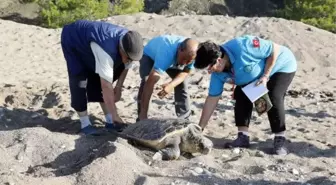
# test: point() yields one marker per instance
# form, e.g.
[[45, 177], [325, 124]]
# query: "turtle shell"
[[154, 129]]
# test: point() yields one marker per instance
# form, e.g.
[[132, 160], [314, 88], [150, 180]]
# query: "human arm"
[[208, 108], [217, 81], [270, 62], [119, 85], [153, 78], [109, 99], [104, 68], [168, 87]]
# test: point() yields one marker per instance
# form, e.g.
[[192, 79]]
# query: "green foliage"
[[56, 13], [127, 7], [319, 13]]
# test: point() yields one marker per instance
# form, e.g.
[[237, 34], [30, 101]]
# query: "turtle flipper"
[[172, 150], [169, 153]]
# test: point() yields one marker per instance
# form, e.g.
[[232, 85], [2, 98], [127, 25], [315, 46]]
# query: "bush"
[[318, 13], [57, 13], [120, 7]]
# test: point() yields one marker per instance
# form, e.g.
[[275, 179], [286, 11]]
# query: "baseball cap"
[[133, 45]]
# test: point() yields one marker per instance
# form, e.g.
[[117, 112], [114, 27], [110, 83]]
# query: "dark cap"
[[133, 45]]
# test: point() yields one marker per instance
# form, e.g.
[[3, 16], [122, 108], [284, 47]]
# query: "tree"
[[318, 13]]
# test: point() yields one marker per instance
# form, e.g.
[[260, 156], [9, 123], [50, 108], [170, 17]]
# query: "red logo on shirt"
[[256, 42]]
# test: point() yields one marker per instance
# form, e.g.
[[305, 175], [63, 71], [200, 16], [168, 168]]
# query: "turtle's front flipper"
[[171, 152]]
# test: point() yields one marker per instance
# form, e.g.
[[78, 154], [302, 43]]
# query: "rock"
[[207, 172], [236, 151], [182, 13], [212, 170], [260, 154], [198, 170], [295, 171], [225, 156], [194, 173], [201, 164], [29, 85]]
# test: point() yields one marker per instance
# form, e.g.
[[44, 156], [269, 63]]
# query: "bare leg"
[[108, 116], [104, 108], [81, 114], [242, 129]]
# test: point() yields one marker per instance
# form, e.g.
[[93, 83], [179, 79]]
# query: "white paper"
[[254, 92]]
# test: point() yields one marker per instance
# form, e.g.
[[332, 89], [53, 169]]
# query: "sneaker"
[[279, 148], [242, 141], [89, 130], [115, 126]]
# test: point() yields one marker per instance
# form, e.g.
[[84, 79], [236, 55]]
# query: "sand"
[[39, 136]]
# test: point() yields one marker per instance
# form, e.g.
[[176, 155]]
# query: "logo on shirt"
[[248, 68], [256, 42]]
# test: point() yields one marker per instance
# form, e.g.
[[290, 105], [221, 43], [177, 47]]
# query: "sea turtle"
[[170, 137]]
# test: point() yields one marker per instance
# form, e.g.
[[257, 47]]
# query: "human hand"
[[263, 80], [166, 89]]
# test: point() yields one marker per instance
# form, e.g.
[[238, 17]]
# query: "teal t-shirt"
[[248, 61], [163, 51]]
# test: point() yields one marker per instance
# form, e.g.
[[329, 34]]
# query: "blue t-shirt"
[[248, 62], [163, 51]]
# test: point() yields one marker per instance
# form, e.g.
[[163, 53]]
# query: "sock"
[[244, 132], [280, 134], [85, 121], [108, 118]]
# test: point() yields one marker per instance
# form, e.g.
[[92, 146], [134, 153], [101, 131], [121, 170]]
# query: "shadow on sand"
[[301, 149], [22, 118], [86, 150]]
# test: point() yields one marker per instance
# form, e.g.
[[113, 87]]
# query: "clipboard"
[[258, 95]]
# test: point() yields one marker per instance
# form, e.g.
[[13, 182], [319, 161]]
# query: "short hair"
[[207, 54], [183, 44], [185, 47]]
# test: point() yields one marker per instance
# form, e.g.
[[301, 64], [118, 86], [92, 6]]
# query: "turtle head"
[[193, 141]]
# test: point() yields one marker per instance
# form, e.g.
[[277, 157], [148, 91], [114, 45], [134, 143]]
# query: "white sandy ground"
[[39, 143]]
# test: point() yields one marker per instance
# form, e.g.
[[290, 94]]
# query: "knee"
[[78, 94], [276, 98]]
